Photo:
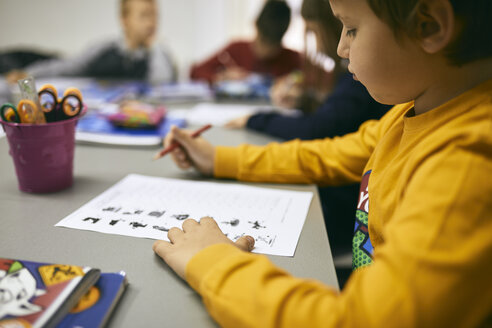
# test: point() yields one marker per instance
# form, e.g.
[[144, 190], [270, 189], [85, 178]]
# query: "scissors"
[[56, 109], [25, 112]]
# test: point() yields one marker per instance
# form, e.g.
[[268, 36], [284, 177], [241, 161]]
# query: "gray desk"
[[156, 297]]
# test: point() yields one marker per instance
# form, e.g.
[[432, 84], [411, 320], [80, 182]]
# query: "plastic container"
[[43, 154]]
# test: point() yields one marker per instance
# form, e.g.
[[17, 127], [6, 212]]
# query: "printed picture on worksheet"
[[142, 206]]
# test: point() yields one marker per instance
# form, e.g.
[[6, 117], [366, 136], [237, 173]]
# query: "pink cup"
[[42, 154]]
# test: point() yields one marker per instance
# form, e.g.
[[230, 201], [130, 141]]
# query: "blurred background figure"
[[18, 59], [135, 55], [307, 89], [263, 55]]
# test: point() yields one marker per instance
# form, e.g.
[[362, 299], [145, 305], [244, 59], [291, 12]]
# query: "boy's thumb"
[[246, 243], [181, 137]]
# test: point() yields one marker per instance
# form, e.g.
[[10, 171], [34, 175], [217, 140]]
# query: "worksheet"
[[147, 207]]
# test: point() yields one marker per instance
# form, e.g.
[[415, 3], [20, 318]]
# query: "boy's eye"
[[351, 32]]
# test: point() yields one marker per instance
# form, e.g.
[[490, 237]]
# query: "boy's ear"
[[435, 24]]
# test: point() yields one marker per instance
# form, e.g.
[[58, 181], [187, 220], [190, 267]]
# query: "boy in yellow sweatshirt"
[[422, 245]]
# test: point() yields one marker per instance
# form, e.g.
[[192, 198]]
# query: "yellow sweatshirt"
[[428, 203]]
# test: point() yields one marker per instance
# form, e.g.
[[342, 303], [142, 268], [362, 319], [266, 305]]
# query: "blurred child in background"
[[347, 105], [264, 55], [135, 56]]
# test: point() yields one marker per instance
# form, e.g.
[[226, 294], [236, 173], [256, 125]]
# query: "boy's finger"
[[184, 165], [181, 159], [181, 155], [169, 137], [160, 247], [175, 159], [246, 243], [183, 138], [189, 224], [174, 234], [207, 220]]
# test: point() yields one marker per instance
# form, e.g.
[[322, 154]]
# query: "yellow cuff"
[[205, 262], [226, 162]]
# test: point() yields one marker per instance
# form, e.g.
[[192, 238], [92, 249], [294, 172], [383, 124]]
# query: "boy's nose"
[[342, 49]]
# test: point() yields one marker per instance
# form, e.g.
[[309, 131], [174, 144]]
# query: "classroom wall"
[[192, 29]]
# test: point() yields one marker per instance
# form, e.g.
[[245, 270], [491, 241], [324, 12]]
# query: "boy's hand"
[[232, 73], [194, 237], [238, 123], [196, 152], [285, 93]]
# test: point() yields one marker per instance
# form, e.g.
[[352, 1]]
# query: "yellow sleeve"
[[324, 161], [433, 268]]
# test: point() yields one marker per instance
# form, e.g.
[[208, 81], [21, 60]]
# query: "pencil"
[[174, 145]]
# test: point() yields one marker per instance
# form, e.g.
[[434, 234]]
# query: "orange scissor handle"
[[27, 111], [9, 113], [49, 87], [72, 102], [73, 91], [48, 98]]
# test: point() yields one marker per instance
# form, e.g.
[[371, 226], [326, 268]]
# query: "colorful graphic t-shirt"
[[361, 243]]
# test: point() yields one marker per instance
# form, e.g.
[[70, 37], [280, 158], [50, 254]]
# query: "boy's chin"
[[385, 100]]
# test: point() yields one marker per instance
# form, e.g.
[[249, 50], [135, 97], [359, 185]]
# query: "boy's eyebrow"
[[341, 18]]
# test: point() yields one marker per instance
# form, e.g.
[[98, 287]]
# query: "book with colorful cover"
[[34, 294], [96, 306], [95, 127]]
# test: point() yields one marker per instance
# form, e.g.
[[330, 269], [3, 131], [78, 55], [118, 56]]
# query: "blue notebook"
[[95, 128], [35, 294], [96, 306]]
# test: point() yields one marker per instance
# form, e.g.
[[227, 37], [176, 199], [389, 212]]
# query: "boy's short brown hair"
[[473, 17], [273, 21]]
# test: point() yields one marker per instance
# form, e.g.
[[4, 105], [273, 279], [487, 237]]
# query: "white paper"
[[220, 114], [121, 140], [147, 207], [193, 90]]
